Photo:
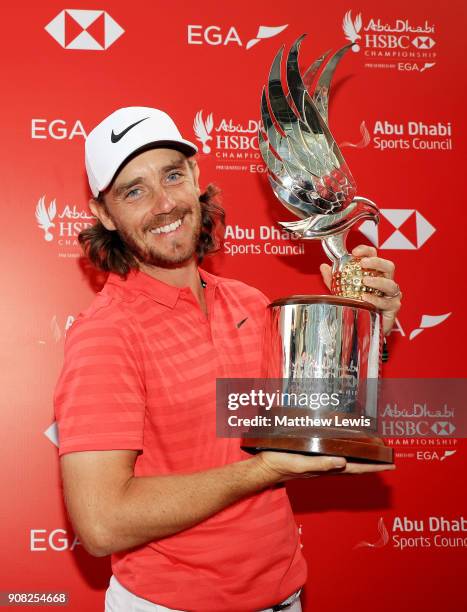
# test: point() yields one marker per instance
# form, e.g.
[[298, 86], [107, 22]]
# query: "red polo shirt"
[[140, 373]]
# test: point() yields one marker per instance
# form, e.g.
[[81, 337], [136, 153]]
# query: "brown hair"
[[107, 251]]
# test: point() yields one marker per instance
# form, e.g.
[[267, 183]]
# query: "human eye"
[[133, 193], [175, 176]]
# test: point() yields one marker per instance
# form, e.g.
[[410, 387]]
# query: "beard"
[[180, 251]]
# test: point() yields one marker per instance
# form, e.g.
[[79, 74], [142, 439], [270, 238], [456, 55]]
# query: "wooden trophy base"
[[359, 450]]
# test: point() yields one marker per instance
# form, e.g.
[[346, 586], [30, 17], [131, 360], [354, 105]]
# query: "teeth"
[[165, 229]]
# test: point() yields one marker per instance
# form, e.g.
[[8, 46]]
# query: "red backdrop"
[[396, 110]]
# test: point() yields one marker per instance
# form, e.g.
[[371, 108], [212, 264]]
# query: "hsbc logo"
[[214, 35], [398, 229], [51, 433], [423, 42], [443, 428], [84, 30]]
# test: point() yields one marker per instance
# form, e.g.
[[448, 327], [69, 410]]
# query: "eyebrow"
[[124, 186], [173, 164]]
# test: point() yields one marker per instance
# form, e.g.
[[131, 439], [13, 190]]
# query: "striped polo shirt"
[[140, 373]]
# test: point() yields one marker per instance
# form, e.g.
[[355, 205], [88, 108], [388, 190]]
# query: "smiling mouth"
[[165, 229]]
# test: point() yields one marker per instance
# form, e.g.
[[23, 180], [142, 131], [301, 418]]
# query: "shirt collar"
[[140, 282]]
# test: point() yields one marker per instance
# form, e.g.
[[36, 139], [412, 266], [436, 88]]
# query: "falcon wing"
[[350, 29], [42, 216], [307, 170], [52, 210], [200, 128], [358, 23]]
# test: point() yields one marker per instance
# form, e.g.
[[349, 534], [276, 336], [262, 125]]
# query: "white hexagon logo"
[[84, 30]]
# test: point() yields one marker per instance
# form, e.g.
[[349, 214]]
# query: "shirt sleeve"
[[100, 396]]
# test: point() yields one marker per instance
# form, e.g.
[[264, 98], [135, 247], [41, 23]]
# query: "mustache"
[[166, 218]]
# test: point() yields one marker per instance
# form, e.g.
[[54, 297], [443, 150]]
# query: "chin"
[[175, 260]]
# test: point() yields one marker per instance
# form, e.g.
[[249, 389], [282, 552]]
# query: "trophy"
[[331, 342]]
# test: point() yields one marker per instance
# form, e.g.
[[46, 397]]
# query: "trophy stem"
[[335, 247]]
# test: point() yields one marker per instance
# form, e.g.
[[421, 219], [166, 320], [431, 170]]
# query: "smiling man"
[[170, 238], [190, 520]]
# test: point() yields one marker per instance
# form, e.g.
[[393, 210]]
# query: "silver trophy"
[[328, 342]]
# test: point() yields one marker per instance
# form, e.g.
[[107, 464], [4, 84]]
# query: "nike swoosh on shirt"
[[240, 323], [116, 137]]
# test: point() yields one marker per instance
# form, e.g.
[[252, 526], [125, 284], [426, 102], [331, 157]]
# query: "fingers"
[[390, 303], [388, 286], [377, 263], [364, 250], [326, 273], [323, 465], [306, 464], [285, 466], [367, 468], [385, 304]]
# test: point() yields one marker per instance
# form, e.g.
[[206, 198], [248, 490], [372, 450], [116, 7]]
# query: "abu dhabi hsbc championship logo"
[[62, 226], [89, 30], [399, 229], [397, 44], [233, 142]]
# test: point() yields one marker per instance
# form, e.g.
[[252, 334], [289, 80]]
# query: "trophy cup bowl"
[[318, 341]]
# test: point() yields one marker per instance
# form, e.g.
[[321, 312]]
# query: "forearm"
[[150, 508]]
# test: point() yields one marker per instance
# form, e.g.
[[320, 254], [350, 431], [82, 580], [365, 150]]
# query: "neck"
[[186, 275]]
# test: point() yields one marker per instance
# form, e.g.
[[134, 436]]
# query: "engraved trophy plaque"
[[333, 340]]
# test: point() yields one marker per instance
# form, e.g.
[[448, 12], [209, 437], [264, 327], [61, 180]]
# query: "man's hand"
[[390, 304], [287, 466]]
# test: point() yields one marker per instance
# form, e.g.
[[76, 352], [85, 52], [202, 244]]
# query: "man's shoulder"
[[105, 315], [240, 290]]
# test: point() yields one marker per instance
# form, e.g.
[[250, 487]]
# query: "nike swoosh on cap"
[[240, 323], [116, 137]]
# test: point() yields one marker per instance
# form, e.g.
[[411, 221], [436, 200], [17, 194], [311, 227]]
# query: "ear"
[[195, 171], [99, 210]]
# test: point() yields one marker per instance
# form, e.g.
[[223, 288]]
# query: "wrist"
[[263, 473]]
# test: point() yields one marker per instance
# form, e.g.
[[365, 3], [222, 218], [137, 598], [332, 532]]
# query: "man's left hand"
[[390, 304]]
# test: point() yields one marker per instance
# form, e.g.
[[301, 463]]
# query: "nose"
[[163, 202]]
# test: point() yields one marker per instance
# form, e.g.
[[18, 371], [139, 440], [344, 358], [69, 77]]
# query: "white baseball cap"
[[124, 133]]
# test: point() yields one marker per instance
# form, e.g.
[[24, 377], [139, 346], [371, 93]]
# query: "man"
[[191, 521]]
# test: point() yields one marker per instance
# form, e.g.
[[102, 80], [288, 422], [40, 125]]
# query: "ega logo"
[[214, 35]]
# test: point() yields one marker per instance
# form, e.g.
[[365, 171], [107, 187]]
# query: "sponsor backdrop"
[[392, 542]]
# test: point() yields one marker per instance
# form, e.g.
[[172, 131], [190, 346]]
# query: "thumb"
[[326, 273]]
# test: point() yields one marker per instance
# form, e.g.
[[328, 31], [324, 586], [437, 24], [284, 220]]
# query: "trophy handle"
[[347, 273], [335, 248]]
